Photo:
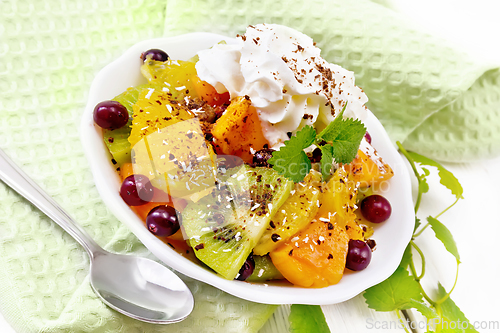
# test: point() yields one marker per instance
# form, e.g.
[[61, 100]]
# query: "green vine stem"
[[403, 323], [418, 277], [444, 211], [439, 313], [445, 297], [415, 235], [421, 181], [422, 257], [414, 273], [417, 174], [437, 216]]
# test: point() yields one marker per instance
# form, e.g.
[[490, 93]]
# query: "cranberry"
[[375, 208], [110, 115], [136, 190], [155, 54], [163, 221], [359, 255]]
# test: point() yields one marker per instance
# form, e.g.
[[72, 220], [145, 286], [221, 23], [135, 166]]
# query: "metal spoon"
[[137, 287]]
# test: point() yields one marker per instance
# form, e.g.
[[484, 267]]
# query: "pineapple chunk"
[[295, 214], [177, 159], [168, 145], [154, 110], [339, 201], [174, 75]]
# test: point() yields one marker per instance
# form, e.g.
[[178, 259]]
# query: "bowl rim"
[[112, 80]]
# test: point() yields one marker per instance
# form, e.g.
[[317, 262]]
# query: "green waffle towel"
[[439, 101], [436, 100], [50, 52]]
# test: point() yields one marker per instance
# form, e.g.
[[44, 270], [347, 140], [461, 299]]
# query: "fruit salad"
[[238, 158]]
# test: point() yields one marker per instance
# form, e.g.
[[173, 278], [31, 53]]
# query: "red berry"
[[136, 190], [368, 137], [359, 255], [247, 269], [262, 156], [375, 208], [163, 220], [110, 115], [155, 54]]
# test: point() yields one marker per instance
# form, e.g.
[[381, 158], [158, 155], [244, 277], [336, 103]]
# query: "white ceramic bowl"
[[391, 236]]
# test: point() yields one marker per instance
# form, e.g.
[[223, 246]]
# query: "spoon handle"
[[14, 177]]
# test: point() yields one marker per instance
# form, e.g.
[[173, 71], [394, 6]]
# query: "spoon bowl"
[[140, 288], [134, 286]]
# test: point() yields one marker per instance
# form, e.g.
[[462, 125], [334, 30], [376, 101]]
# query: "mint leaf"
[[326, 160], [307, 318], [446, 177], [330, 131], [345, 136], [305, 136], [291, 161], [445, 236], [294, 166], [396, 293], [452, 316]]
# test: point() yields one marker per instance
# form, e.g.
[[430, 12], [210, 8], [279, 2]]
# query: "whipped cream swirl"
[[287, 80]]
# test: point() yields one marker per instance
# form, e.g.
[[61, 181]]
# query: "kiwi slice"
[[224, 226], [118, 145], [264, 270]]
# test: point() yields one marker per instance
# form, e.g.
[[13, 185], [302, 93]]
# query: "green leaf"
[[307, 318], [445, 236], [446, 177], [345, 136], [326, 160], [452, 316], [396, 293], [417, 224], [407, 257], [331, 130], [424, 186], [291, 161], [305, 136], [399, 292], [423, 308]]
